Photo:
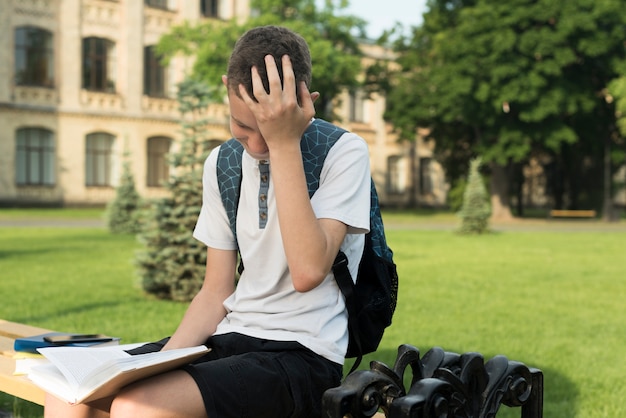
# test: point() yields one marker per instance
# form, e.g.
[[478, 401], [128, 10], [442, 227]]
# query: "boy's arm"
[[311, 244], [206, 309]]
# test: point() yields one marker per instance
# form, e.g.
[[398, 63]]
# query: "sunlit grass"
[[51, 213], [552, 300]]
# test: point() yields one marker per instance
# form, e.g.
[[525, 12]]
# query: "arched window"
[[99, 159], [209, 8], [357, 106], [34, 57], [34, 157], [208, 145], [396, 170], [158, 167], [158, 4], [154, 74], [98, 65]]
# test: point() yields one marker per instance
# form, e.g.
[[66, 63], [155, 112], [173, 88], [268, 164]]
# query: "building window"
[[209, 145], [99, 159], [158, 167], [35, 158], [357, 106], [154, 74], [98, 65], [396, 174], [426, 176], [34, 57], [209, 8], [158, 4]]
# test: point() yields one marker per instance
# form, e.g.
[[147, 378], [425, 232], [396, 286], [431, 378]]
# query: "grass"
[[51, 213], [76, 280], [549, 298]]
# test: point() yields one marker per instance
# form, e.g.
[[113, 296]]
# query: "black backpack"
[[370, 302]]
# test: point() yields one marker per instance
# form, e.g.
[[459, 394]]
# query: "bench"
[[18, 386], [570, 213], [443, 384]]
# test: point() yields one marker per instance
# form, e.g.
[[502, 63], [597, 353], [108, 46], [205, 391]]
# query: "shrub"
[[173, 263], [476, 208], [122, 210]]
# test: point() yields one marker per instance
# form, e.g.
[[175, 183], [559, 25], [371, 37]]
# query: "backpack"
[[370, 302]]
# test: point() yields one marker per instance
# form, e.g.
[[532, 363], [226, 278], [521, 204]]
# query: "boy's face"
[[244, 128]]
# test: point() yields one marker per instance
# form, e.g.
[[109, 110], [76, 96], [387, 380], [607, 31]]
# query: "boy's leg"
[[173, 394], [56, 408]]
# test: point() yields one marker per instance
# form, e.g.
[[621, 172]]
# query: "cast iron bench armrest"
[[443, 385]]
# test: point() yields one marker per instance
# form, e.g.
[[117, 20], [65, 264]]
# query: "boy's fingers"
[[307, 98], [244, 94], [257, 85], [273, 77], [289, 79]]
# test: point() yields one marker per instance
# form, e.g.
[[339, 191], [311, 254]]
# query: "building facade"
[[81, 89]]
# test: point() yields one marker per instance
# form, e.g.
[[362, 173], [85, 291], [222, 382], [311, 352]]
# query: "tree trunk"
[[500, 208], [607, 202], [415, 177]]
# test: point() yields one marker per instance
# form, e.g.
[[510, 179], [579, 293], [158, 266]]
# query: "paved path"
[[530, 225], [46, 223], [520, 225]]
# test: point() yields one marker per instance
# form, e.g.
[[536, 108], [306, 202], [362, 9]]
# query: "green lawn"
[[551, 299], [51, 213]]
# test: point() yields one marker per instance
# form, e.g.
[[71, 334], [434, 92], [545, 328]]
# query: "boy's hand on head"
[[280, 118]]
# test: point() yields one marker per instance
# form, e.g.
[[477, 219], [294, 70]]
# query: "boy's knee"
[[131, 402]]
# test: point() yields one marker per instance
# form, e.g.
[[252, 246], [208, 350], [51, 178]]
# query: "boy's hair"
[[251, 49]]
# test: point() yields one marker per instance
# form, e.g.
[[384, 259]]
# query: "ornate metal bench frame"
[[444, 385]]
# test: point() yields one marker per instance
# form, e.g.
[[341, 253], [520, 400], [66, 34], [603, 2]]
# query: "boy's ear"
[[225, 80]]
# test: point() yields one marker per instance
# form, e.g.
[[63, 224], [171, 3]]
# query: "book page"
[[24, 365], [77, 363], [48, 377], [82, 374]]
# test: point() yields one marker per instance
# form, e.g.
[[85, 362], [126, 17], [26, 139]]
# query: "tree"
[[476, 210], [334, 50], [508, 80], [122, 210], [172, 264], [617, 92]]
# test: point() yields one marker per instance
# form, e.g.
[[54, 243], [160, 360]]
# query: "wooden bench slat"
[[18, 386], [15, 330], [570, 213]]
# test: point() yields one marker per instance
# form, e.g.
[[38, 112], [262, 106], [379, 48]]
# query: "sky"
[[382, 14]]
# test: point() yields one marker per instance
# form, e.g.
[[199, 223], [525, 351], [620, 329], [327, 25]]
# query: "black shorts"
[[249, 377]]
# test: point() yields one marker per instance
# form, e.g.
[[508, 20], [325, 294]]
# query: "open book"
[[80, 374]]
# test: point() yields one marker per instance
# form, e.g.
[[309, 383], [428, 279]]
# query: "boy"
[[279, 337]]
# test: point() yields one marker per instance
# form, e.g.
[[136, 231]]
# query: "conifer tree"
[[476, 209], [173, 263], [122, 210]]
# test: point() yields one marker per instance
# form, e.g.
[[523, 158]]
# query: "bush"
[[121, 211], [476, 208], [173, 263]]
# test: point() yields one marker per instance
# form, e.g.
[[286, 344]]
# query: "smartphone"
[[77, 338]]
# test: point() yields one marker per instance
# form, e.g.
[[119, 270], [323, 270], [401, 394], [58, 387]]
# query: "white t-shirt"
[[265, 303]]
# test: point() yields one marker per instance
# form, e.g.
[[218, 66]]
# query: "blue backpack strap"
[[229, 179], [377, 229], [317, 140]]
